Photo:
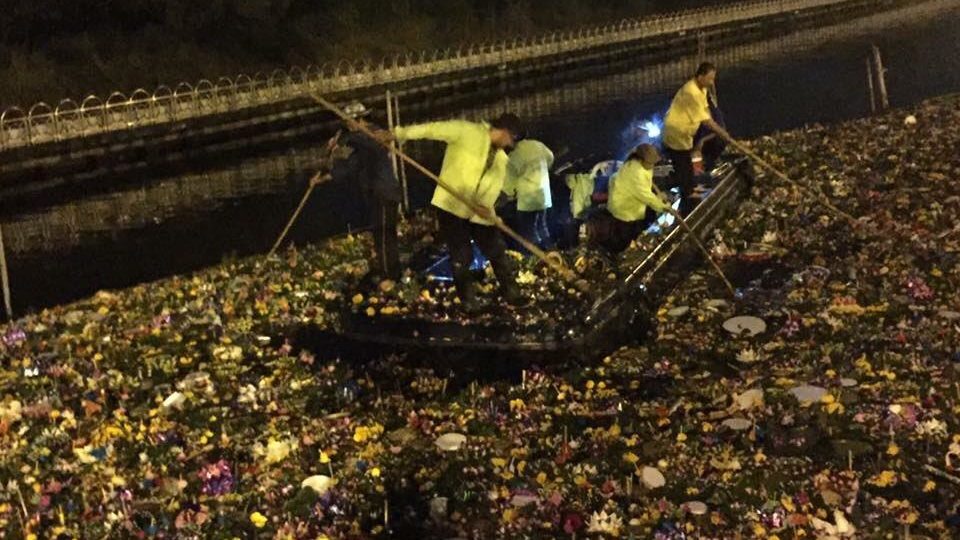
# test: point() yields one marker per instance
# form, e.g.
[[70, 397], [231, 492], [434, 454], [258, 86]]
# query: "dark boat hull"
[[626, 314]]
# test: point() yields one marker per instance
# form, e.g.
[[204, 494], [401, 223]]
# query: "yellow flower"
[[893, 449], [631, 458], [358, 299], [681, 437], [517, 405], [259, 520], [498, 462], [580, 481], [590, 385], [324, 458], [509, 515], [542, 478], [277, 451], [375, 472], [707, 427], [929, 486], [884, 479]]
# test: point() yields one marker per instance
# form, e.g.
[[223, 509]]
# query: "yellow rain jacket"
[[528, 176], [464, 164], [688, 110], [581, 192], [631, 192]]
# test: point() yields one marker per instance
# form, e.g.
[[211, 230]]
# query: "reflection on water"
[[184, 222]]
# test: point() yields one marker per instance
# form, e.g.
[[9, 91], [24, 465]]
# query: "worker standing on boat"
[[632, 205], [363, 162], [688, 112], [528, 184], [475, 166]]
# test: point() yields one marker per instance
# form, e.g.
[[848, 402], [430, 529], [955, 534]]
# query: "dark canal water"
[[181, 222]]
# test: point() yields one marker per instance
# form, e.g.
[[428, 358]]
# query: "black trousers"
[[683, 177], [611, 234], [384, 218], [533, 227], [457, 234]]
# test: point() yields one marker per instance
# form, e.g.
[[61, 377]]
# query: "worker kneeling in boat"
[[474, 167], [363, 162], [632, 205], [528, 185]]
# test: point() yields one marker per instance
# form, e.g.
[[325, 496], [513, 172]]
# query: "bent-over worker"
[[365, 163], [474, 166], [632, 204]]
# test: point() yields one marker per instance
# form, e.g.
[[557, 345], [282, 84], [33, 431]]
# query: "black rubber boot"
[[466, 291]]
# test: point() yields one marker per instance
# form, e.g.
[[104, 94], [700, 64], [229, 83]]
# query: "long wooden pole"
[[403, 164], [7, 303], [703, 248], [776, 172], [873, 95], [497, 221], [390, 126], [296, 214], [881, 79]]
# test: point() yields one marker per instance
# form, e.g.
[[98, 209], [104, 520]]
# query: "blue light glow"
[[652, 128]]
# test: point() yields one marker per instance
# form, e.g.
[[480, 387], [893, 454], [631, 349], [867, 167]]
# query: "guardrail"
[[69, 119]]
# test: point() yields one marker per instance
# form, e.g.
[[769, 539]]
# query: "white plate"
[[451, 442], [696, 508], [745, 326], [738, 424], [808, 394], [653, 478]]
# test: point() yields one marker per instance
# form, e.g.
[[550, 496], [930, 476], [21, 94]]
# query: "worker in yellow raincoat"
[[632, 206], [474, 166], [528, 185], [688, 112]]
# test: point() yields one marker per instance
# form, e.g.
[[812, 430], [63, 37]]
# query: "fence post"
[[5, 277], [881, 79], [403, 164], [390, 126]]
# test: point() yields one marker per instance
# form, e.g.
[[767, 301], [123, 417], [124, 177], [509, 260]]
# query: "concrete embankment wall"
[[31, 169]]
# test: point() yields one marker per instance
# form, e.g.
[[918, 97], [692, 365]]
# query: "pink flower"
[[572, 523]]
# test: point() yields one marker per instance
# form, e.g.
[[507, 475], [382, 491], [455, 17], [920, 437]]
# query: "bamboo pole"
[[390, 126], [873, 94], [7, 303], [296, 214], [776, 172], [486, 213], [703, 248], [881, 79], [403, 164]]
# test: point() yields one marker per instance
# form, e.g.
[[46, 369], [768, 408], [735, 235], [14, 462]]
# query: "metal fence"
[[93, 115]]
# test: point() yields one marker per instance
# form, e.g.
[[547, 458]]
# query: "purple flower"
[[217, 478], [14, 337], [918, 289]]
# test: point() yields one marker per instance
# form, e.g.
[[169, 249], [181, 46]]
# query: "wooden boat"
[[621, 313]]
